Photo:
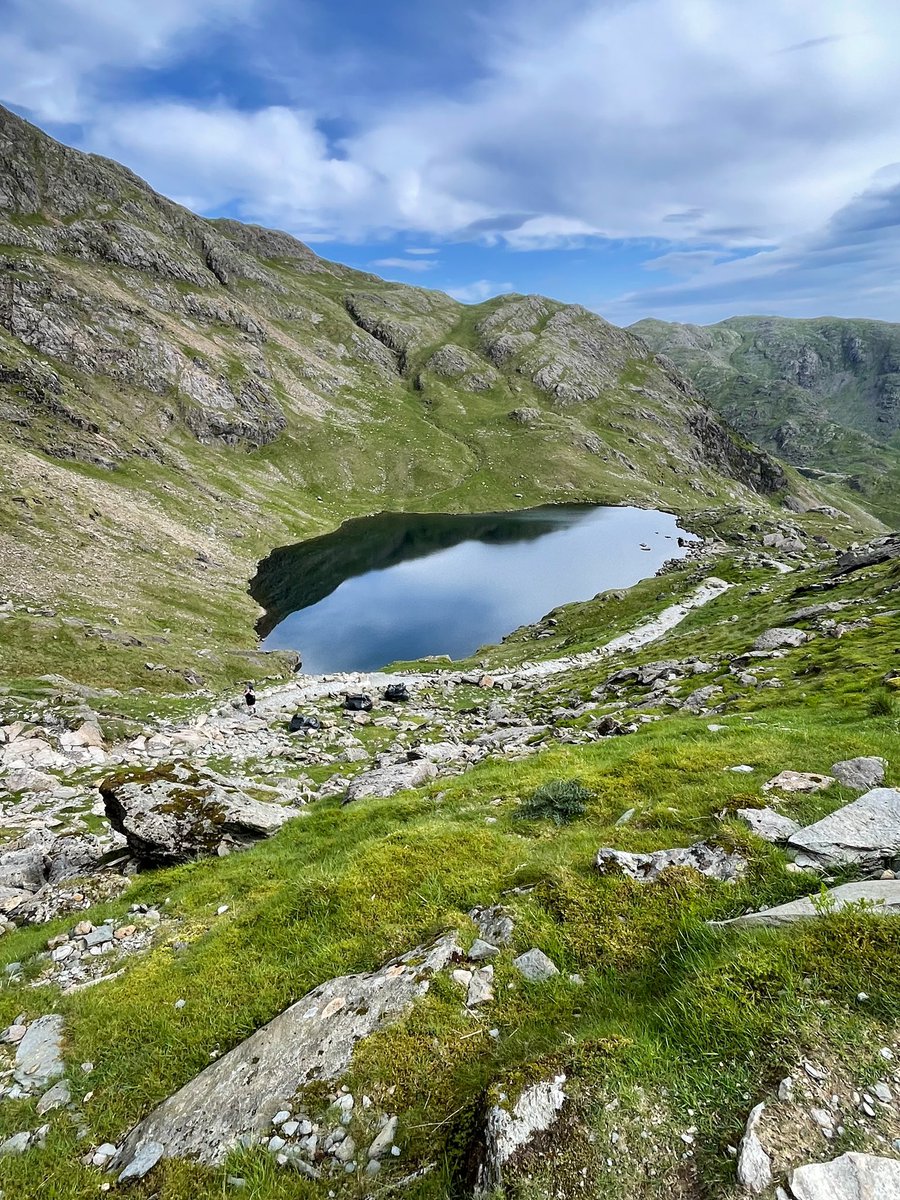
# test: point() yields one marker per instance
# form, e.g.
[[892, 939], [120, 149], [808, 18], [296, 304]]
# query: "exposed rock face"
[[880, 550], [865, 833], [850, 1177], [39, 1054], [880, 896], [176, 813], [39, 860], [709, 860], [511, 1127], [234, 1099], [775, 639]]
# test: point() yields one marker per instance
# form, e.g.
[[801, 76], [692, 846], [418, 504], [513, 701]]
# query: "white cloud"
[[421, 250], [478, 290], [406, 264]]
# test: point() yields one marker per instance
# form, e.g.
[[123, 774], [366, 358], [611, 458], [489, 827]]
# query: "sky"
[[683, 159]]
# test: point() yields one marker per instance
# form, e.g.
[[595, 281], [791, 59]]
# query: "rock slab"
[[709, 860], [883, 895], [864, 833], [233, 1100], [387, 781], [861, 774], [510, 1129], [39, 1054], [850, 1177]]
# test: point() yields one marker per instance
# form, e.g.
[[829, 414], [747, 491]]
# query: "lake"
[[405, 585]]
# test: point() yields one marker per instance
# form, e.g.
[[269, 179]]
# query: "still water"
[[405, 585]]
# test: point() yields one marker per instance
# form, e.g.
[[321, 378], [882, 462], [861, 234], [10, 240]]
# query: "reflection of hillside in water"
[[295, 577]]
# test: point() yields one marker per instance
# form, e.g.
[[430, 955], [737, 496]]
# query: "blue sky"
[[686, 159]]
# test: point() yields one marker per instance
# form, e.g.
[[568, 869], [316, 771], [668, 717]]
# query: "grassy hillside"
[[822, 394]]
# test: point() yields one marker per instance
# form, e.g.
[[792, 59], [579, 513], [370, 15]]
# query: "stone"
[[510, 1129], [801, 782], [709, 860], [481, 989], [698, 701], [98, 936], [55, 1097], [103, 1154], [754, 1167], [177, 813], [776, 639], [141, 1162], [494, 924], [535, 966], [768, 824], [381, 1143], [313, 1039], [883, 895], [861, 774], [387, 781], [480, 950], [39, 1053], [851, 1177], [864, 833], [17, 1144]]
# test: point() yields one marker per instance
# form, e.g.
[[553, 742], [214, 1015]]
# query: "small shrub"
[[882, 704], [559, 800]]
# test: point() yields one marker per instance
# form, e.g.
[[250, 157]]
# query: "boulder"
[[768, 824], [880, 550], [754, 1167], [535, 966], [798, 781], [880, 896], [387, 781], [510, 1129], [176, 813], [233, 1100], [39, 1054], [861, 774], [776, 639], [709, 860], [38, 859], [850, 1177], [698, 701], [865, 833]]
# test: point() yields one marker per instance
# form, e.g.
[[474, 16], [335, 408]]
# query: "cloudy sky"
[[687, 159]]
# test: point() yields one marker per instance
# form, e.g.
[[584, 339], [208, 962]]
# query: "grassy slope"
[[684, 1026]]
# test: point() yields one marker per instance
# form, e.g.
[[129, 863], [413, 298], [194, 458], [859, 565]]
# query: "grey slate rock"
[[709, 860], [864, 833], [535, 965], [233, 1100], [39, 1054], [861, 774], [55, 1097], [776, 639], [850, 1177], [768, 824], [493, 923], [510, 1128], [17, 1144], [143, 1161], [882, 894], [480, 950], [754, 1167], [387, 781]]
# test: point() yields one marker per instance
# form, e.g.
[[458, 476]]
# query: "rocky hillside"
[[179, 395], [822, 394], [611, 912]]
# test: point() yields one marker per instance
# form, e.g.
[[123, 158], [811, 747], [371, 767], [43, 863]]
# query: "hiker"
[[250, 697]]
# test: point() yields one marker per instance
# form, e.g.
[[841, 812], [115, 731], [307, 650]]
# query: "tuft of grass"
[[882, 704], [558, 800]]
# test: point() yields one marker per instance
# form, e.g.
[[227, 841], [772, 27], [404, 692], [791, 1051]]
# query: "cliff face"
[[822, 394]]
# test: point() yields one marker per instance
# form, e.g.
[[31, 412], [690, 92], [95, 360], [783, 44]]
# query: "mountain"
[[822, 394], [180, 395]]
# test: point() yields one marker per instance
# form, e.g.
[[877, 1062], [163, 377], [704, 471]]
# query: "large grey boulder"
[[861, 774], [39, 1054], [387, 781], [850, 1177], [864, 833], [776, 639], [233, 1100], [768, 824], [709, 860], [176, 813], [880, 896], [510, 1128]]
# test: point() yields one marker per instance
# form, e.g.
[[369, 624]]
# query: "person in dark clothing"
[[250, 697]]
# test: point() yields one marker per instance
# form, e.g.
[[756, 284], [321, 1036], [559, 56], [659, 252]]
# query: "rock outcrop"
[[709, 860], [865, 833]]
